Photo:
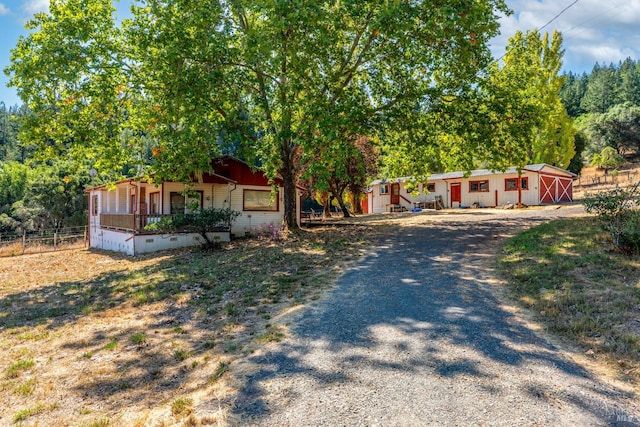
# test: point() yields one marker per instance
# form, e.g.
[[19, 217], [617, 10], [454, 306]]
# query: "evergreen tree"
[[602, 89]]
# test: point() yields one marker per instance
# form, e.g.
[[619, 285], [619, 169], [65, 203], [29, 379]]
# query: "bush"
[[203, 221], [268, 232], [617, 211]]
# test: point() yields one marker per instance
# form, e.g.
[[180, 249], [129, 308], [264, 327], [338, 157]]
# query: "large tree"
[[283, 74], [531, 124]]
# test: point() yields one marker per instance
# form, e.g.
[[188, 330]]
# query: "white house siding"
[[497, 194], [249, 220], [112, 241], [145, 243], [378, 203]]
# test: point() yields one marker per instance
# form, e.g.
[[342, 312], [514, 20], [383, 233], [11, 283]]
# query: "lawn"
[[90, 338], [580, 288]]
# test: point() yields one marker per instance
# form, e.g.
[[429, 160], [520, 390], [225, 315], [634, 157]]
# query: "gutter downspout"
[[229, 190]]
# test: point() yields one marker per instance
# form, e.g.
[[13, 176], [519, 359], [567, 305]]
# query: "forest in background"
[[36, 194], [605, 104]]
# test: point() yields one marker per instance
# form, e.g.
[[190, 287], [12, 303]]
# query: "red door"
[[554, 189], [395, 194], [456, 193]]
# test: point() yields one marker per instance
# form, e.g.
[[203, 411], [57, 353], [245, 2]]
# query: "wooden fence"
[[12, 244]]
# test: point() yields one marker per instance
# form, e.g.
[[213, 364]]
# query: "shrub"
[[617, 210], [202, 222], [268, 232]]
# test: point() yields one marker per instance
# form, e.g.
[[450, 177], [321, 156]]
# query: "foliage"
[[268, 232], [600, 94], [606, 103], [617, 210], [203, 221], [524, 107], [349, 171], [619, 127], [580, 143], [42, 195], [282, 79], [11, 149], [607, 159]]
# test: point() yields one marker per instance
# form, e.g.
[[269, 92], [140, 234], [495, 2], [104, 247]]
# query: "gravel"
[[417, 333]]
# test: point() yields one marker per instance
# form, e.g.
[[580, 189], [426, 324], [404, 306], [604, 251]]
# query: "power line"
[[549, 22], [558, 15]]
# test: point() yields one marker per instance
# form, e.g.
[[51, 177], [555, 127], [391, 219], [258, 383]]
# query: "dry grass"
[[97, 338], [568, 273], [92, 338]]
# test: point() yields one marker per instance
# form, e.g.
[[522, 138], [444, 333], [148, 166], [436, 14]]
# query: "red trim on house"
[[518, 183], [395, 193], [479, 190], [277, 207], [458, 186]]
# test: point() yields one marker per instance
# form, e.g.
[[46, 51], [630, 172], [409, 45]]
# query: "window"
[[94, 205], [179, 203], [431, 187], [511, 184], [478, 186], [259, 200], [154, 202], [176, 202], [384, 189]]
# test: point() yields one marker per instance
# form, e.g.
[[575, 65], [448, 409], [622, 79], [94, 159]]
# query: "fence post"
[[24, 240], [84, 237], [55, 239]]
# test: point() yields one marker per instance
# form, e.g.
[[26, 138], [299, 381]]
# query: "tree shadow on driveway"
[[414, 335]]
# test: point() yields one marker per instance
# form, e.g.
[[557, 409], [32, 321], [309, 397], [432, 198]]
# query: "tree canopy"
[[284, 77]]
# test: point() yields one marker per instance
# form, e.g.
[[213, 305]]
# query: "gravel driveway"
[[416, 334]]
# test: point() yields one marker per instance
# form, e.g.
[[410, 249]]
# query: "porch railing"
[[137, 224]]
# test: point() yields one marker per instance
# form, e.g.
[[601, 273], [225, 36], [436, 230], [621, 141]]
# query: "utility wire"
[[558, 15], [549, 22]]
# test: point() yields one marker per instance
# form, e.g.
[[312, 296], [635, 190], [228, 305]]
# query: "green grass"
[[28, 412], [26, 388], [181, 354], [272, 334], [16, 368], [111, 345], [138, 338], [220, 370], [569, 274], [182, 406]]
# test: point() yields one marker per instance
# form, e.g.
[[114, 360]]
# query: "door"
[[395, 194], [456, 193], [554, 189]]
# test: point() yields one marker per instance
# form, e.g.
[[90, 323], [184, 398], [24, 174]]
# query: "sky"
[[593, 30]]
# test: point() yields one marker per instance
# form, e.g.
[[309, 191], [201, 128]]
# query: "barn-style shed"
[[538, 184]]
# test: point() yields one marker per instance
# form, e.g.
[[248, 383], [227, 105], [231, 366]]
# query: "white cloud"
[[35, 6], [4, 10], [592, 30]]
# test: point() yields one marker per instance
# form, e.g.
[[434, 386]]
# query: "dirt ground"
[[91, 338]]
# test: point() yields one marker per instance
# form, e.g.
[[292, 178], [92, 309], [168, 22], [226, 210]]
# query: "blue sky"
[[593, 30]]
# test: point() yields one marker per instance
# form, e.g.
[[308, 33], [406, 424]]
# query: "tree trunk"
[[289, 188], [345, 211], [356, 198], [326, 207]]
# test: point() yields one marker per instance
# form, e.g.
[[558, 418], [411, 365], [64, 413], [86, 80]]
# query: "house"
[[120, 216], [539, 184]]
